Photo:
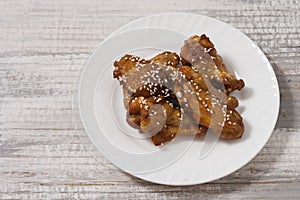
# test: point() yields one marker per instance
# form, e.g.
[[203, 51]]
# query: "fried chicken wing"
[[149, 94], [198, 81], [216, 115], [129, 62], [201, 50], [165, 125], [166, 59], [125, 64], [212, 83]]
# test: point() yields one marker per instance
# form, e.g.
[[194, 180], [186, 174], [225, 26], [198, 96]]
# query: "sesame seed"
[[207, 50], [179, 94], [165, 112]]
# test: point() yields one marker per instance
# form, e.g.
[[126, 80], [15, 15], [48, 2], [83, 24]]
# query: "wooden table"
[[43, 46]]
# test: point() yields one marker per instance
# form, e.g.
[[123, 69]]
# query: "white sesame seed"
[[179, 94]]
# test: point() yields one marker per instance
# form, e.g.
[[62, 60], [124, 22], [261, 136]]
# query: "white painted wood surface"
[[44, 44]]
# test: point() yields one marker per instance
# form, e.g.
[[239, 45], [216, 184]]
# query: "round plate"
[[178, 163]]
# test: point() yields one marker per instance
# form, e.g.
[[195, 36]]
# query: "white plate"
[[178, 163]]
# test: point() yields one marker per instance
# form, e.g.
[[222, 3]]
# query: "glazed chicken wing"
[[213, 83], [131, 71], [201, 50]]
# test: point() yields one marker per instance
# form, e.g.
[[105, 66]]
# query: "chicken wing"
[[201, 50], [144, 96], [217, 109]]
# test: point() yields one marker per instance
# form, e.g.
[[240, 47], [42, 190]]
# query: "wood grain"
[[43, 46]]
